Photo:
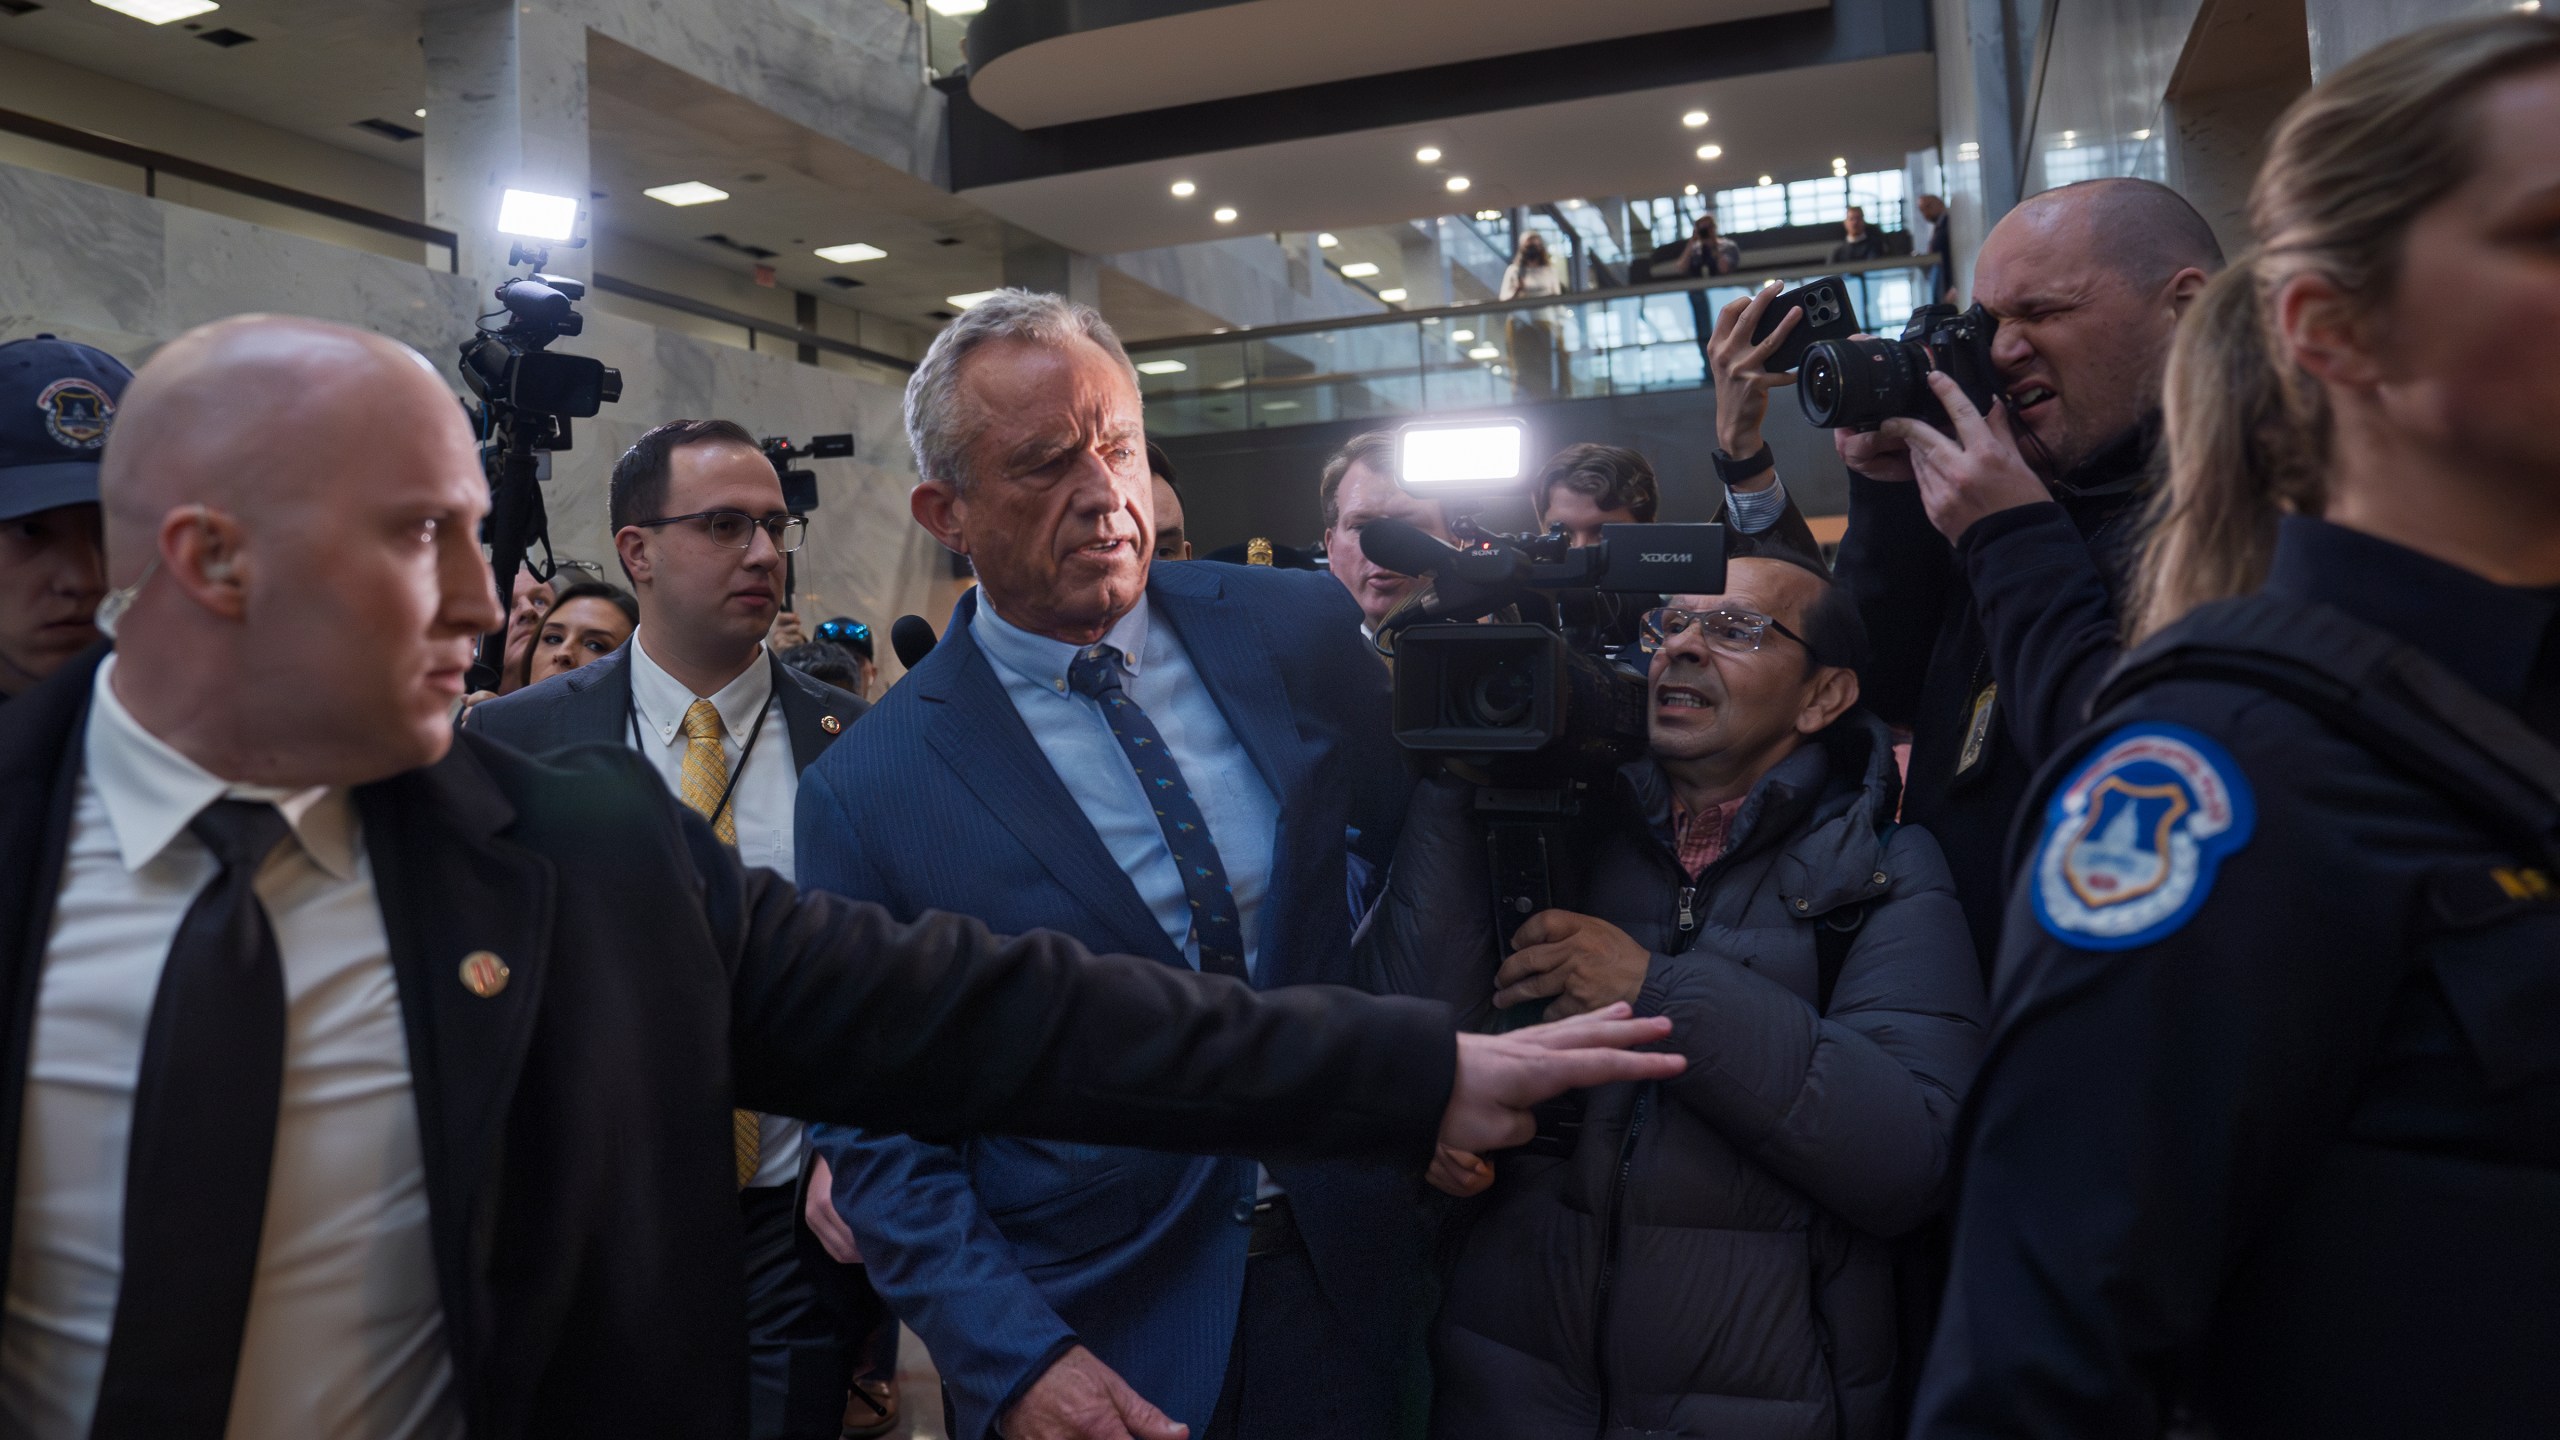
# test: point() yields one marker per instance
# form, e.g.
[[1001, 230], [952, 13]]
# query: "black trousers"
[[1294, 1372], [805, 1330]]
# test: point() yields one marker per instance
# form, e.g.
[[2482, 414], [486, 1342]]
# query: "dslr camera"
[[1860, 384]]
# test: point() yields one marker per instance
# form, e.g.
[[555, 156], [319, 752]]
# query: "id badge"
[[1977, 731]]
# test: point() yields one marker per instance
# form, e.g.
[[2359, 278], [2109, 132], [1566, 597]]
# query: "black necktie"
[[1214, 923], [204, 1131]]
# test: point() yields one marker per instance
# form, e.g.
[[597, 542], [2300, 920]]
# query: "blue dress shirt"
[[1243, 815]]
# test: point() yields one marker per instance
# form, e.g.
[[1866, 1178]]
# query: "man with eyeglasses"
[[701, 531], [1714, 1253]]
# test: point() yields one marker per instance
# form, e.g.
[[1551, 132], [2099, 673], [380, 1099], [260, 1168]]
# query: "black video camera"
[[800, 487], [1859, 384]]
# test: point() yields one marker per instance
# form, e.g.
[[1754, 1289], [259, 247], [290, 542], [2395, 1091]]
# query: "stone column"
[[506, 108]]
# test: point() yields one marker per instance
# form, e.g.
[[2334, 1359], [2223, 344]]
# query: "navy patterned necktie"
[[1214, 922]]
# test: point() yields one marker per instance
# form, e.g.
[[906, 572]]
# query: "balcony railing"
[[1469, 357]]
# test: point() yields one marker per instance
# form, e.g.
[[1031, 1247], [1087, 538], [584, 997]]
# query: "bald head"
[[295, 507], [2144, 229]]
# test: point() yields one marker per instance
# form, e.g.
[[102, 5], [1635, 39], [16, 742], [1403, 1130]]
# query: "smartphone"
[[1828, 315]]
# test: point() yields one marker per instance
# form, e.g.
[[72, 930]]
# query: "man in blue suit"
[[1166, 760]]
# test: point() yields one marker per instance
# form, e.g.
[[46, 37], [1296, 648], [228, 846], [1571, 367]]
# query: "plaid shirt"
[[1699, 840]]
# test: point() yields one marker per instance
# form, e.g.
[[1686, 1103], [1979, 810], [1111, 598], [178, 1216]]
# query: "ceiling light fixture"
[[422, 112], [1392, 297], [1839, 166], [2141, 134], [1768, 180], [1484, 352], [1428, 155], [1488, 214], [1326, 239], [1224, 214], [686, 192], [1694, 119], [1161, 367], [160, 12], [536, 216], [850, 254], [1459, 184], [1710, 152], [955, 8], [1184, 189], [974, 297], [1461, 337], [1689, 189], [1360, 269]]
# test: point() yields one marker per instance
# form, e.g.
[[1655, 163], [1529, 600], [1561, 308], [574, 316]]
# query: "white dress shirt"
[[762, 804], [345, 1335]]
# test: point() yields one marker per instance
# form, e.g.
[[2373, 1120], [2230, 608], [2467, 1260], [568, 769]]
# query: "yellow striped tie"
[[706, 778]]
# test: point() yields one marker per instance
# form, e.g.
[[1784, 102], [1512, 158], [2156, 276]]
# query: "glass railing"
[[1468, 357]]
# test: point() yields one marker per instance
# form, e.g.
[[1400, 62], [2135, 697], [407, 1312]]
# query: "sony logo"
[[1665, 557]]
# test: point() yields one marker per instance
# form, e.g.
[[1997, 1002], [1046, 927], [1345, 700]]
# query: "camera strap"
[[631, 717]]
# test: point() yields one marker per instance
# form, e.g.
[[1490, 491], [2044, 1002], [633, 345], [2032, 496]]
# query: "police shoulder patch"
[[2132, 840]]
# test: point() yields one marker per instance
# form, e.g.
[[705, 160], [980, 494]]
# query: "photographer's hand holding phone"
[[1739, 367], [1974, 473]]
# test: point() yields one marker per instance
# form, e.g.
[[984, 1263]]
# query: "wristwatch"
[[1733, 472]]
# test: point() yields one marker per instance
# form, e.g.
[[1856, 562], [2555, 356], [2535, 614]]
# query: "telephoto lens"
[[1859, 384]]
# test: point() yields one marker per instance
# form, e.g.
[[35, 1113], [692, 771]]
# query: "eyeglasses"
[[736, 529], [1735, 632], [844, 631]]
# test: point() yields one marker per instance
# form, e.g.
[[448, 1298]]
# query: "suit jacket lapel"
[[597, 709], [450, 885], [801, 712], [977, 730], [1230, 649], [40, 740]]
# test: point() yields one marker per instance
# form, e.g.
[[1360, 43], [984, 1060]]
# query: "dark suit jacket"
[[575, 1126], [999, 1252], [591, 705]]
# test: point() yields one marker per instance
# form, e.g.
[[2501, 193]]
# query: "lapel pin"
[[830, 724], [483, 973]]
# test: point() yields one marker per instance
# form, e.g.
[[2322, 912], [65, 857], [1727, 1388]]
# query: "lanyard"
[[737, 772]]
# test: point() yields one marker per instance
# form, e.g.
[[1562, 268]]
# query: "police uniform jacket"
[[2270, 1125], [1711, 1259]]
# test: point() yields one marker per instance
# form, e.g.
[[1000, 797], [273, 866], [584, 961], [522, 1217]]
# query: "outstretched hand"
[[1080, 1398], [1978, 471], [1501, 1076]]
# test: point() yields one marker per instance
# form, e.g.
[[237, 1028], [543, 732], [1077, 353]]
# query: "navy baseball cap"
[[57, 402]]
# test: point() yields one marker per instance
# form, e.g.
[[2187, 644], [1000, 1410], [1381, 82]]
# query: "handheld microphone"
[[1405, 549], [912, 637]]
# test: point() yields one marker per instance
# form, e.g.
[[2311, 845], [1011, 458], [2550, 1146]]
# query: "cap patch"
[[77, 413], [2131, 843]]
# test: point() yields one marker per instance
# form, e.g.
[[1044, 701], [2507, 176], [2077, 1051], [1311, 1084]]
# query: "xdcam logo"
[[1665, 557]]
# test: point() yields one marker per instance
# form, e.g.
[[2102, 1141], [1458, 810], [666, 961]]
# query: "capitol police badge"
[[2132, 840], [76, 413]]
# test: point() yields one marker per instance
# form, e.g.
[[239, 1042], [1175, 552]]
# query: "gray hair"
[[940, 424]]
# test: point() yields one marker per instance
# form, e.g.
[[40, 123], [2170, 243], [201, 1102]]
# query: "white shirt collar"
[[1044, 661], [662, 699], [152, 793]]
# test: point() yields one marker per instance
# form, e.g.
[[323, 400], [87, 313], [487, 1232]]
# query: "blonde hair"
[[2351, 165]]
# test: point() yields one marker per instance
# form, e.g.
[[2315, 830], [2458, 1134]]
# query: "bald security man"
[[1989, 564], [371, 1081]]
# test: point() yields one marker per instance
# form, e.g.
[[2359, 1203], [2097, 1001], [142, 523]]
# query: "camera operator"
[[1746, 881], [1358, 486], [1990, 563], [57, 402]]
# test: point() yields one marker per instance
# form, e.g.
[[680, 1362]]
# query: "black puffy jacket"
[[1712, 1258]]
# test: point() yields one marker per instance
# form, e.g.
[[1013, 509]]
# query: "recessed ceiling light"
[[1360, 269], [1326, 239], [1458, 184], [686, 192], [1488, 214], [1694, 119], [160, 12], [1184, 189], [849, 254], [1689, 189], [1392, 297], [955, 7], [1710, 152], [535, 215], [1161, 367], [1839, 166], [421, 112], [1428, 155], [1768, 180], [1278, 405], [974, 297], [1484, 352], [1224, 214], [2141, 134], [1461, 337]]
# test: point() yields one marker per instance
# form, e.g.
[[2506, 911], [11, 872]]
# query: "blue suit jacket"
[[1002, 1252]]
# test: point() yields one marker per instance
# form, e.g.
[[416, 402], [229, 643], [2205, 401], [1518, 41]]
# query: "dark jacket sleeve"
[[840, 1013], [2049, 617], [2143, 1113], [1855, 1107], [1790, 531], [1431, 932], [1897, 566]]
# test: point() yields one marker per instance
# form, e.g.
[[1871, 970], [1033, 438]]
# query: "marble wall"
[[126, 274]]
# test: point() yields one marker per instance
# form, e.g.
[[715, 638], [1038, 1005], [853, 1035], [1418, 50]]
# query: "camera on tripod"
[[800, 486], [528, 395]]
